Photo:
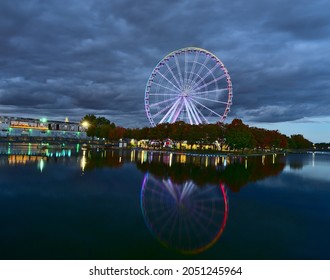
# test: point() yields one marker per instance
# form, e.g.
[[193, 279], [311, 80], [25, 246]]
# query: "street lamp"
[[85, 124]]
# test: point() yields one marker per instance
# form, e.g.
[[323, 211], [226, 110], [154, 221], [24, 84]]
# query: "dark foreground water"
[[65, 203]]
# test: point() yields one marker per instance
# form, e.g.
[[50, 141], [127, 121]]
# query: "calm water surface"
[[65, 203]]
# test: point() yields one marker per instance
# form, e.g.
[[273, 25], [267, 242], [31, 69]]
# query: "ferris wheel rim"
[[175, 84], [206, 244]]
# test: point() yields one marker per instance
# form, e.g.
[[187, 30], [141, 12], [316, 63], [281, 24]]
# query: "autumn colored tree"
[[116, 133], [238, 135]]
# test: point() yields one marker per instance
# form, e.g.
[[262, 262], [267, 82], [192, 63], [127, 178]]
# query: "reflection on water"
[[234, 171], [184, 216], [183, 202], [313, 165], [201, 169]]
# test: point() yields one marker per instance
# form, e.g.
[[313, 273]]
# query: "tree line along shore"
[[235, 136]]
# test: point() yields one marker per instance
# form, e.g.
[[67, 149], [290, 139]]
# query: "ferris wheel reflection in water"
[[184, 217]]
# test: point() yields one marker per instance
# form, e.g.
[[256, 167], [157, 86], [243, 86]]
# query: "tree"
[[116, 133], [97, 126], [238, 135], [298, 141]]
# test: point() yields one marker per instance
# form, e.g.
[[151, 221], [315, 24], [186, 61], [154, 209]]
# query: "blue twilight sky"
[[69, 58]]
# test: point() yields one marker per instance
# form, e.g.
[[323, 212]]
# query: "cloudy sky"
[[68, 58]]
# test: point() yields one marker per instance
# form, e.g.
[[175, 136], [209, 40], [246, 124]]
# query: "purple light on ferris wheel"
[[190, 85]]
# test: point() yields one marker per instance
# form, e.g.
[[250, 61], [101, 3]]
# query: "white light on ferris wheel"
[[190, 85]]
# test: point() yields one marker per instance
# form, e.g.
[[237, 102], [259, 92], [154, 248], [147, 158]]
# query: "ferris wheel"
[[184, 216], [190, 85]]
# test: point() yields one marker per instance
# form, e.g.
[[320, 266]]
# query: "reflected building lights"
[[183, 158], [41, 165], [142, 156], [83, 161], [132, 155], [22, 159], [29, 149]]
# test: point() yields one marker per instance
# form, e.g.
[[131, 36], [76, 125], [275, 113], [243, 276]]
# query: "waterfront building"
[[29, 127]]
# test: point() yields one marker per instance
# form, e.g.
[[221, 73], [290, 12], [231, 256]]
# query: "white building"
[[13, 126]]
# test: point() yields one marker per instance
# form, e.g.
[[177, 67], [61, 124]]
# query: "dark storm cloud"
[[69, 58]]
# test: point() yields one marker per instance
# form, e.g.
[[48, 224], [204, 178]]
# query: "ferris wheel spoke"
[[171, 189], [158, 184], [161, 212], [188, 111], [169, 81], [176, 113], [164, 217], [202, 207], [211, 82], [163, 94], [198, 112], [169, 217], [169, 112], [162, 102], [192, 113], [201, 223], [163, 110], [193, 67], [179, 70], [199, 71], [212, 100], [166, 87], [185, 67], [204, 191], [208, 91], [205, 76], [174, 77], [207, 108]]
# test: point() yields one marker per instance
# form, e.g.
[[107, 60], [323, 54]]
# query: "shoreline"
[[96, 144]]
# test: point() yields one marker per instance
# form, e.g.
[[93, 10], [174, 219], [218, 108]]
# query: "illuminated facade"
[[27, 127]]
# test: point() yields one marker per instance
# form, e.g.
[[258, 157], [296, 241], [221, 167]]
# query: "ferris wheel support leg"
[[175, 105], [190, 113], [177, 113]]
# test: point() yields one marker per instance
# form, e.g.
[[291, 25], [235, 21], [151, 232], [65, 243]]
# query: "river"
[[67, 203]]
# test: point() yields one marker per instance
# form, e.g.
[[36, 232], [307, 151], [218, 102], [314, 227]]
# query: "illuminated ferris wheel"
[[190, 85], [184, 216]]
